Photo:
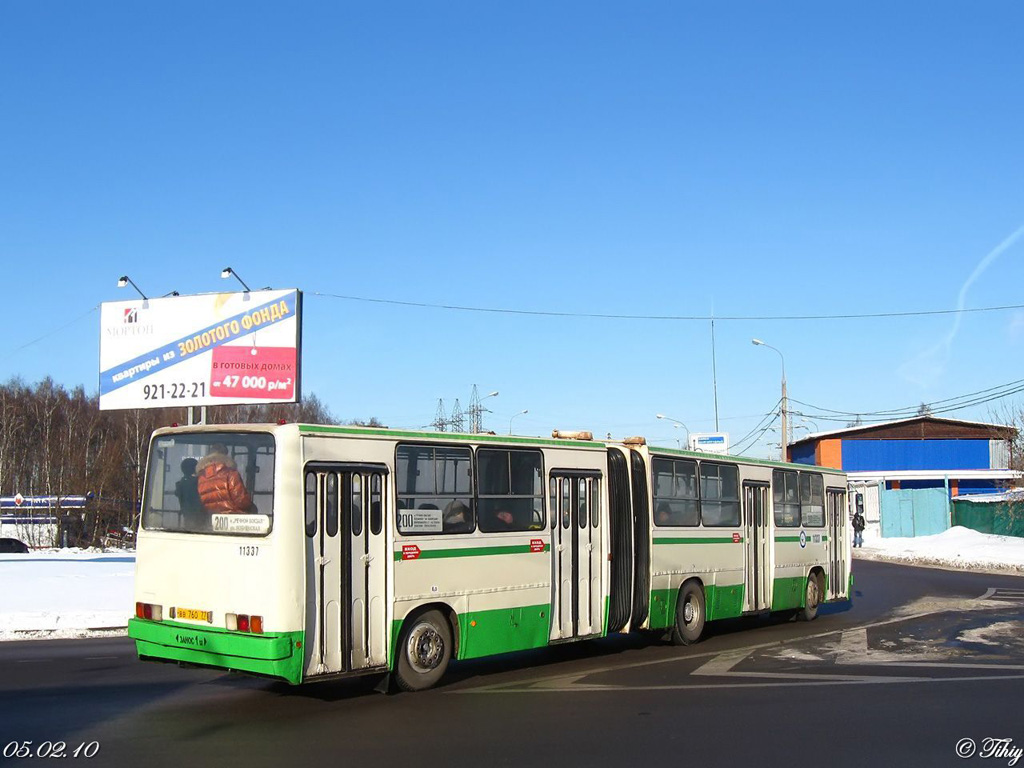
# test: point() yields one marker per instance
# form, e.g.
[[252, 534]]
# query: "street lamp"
[[525, 410], [785, 422], [677, 424]]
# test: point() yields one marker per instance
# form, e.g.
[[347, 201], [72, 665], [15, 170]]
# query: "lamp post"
[[785, 421], [678, 424], [525, 410]]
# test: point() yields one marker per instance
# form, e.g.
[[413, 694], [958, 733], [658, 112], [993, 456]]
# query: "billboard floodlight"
[[124, 280], [228, 272]]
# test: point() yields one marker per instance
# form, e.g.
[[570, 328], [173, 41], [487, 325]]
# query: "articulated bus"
[[381, 551]]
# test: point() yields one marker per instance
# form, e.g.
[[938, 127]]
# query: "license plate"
[[192, 615]]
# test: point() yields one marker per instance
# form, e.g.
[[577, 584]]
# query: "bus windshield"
[[210, 482]]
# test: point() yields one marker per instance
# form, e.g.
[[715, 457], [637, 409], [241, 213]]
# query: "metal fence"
[[1004, 518], [915, 512]]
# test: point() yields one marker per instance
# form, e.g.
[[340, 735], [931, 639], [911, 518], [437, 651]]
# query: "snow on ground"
[[958, 547], [65, 593], [88, 593]]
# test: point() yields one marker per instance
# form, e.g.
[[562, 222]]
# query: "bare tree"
[[58, 443]]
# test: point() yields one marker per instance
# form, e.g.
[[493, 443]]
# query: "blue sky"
[[662, 159]]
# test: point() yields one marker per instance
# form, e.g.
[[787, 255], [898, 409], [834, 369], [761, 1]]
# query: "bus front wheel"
[[424, 652], [690, 614]]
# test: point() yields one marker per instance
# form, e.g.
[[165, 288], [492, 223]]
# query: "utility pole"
[[785, 408], [785, 419], [714, 369]]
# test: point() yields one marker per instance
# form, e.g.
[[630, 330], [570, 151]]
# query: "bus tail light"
[[240, 622], [149, 611]]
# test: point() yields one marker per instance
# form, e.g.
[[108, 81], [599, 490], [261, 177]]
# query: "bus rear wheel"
[[424, 652], [690, 614], [812, 598]]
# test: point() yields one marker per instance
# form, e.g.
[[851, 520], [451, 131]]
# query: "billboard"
[[710, 442], [210, 349]]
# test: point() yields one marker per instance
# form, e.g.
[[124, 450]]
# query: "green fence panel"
[[998, 517]]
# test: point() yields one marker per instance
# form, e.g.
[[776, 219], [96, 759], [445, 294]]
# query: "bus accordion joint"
[[561, 434], [638, 440]]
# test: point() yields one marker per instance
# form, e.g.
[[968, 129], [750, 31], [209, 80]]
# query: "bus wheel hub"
[[426, 648]]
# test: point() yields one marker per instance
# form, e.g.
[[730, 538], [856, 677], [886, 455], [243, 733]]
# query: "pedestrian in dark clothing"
[[858, 529]]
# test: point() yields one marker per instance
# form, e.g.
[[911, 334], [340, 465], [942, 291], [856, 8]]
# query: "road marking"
[[851, 650], [1003, 593]]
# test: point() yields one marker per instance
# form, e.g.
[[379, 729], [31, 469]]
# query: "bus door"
[[575, 555], [365, 487], [838, 576], [755, 536], [345, 626]]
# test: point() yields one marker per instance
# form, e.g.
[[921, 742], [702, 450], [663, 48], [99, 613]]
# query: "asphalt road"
[[918, 662]]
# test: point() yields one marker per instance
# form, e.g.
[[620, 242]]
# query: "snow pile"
[[958, 547], [65, 593]]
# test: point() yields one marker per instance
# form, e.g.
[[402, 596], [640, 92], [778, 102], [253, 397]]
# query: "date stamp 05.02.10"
[[50, 749]]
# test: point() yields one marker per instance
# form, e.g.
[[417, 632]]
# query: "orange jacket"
[[220, 485]]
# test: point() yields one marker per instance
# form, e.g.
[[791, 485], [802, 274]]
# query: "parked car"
[[12, 545]]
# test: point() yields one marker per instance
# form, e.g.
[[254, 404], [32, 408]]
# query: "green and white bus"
[[383, 551]]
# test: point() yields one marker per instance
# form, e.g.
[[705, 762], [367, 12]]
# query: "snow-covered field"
[[75, 593], [958, 547], [65, 593]]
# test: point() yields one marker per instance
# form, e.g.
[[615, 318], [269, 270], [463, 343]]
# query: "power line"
[[947, 405], [48, 334], [670, 318], [770, 415]]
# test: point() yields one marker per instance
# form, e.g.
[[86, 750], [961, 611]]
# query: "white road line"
[[722, 664], [852, 650]]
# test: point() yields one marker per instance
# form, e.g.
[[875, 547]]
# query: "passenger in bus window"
[[220, 484], [457, 518], [663, 516], [187, 491], [503, 520]]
